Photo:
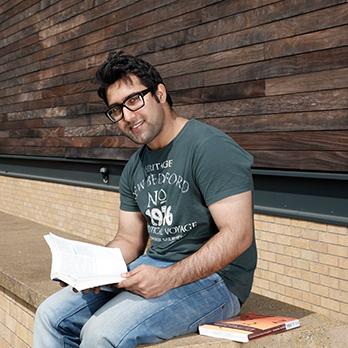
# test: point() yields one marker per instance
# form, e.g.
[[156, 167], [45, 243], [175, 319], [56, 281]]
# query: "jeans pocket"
[[214, 315]]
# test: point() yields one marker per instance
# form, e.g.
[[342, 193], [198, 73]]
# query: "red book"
[[248, 327]]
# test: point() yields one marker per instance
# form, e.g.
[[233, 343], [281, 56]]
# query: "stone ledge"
[[25, 267]]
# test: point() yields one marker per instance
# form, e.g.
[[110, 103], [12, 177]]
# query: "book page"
[[83, 260]]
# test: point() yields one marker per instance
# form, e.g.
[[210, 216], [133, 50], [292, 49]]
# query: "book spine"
[[273, 330]]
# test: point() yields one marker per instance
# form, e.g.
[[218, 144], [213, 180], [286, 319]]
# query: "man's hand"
[[147, 281]]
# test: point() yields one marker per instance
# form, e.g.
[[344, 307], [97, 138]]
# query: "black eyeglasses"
[[133, 103]]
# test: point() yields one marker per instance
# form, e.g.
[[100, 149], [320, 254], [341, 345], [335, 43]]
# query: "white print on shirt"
[[157, 166], [160, 226], [160, 179]]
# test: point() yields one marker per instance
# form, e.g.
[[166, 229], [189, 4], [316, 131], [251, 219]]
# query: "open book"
[[83, 265], [248, 327]]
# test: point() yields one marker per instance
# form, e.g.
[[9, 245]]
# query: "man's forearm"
[[216, 254], [129, 251]]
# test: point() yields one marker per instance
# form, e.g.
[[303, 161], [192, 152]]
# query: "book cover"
[[248, 327]]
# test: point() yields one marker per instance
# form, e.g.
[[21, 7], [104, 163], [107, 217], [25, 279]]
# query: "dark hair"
[[120, 66]]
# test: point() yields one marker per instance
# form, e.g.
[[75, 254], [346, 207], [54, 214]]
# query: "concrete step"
[[316, 331]]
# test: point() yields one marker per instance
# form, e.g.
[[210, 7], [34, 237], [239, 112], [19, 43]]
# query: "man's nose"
[[128, 115]]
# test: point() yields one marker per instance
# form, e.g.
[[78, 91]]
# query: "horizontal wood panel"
[[294, 141], [271, 74], [318, 81], [289, 122], [293, 103], [302, 160]]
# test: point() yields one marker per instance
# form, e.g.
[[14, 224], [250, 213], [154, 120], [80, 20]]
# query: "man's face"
[[144, 125]]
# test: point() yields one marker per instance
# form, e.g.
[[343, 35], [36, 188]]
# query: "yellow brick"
[[330, 304], [329, 282], [284, 260], [277, 288], [293, 293], [337, 272], [300, 243], [293, 252], [293, 272], [344, 308], [278, 229], [343, 285], [276, 248], [22, 333], [329, 238], [262, 245], [318, 246], [319, 268], [337, 229], [267, 256], [301, 264], [261, 283], [320, 290], [15, 311], [299, 223], [267, 218], [328, 260], [284, 280], [262, 264], [284, 240], [317, 226], [276, 268], [260, 225], [338, 295], [343, 240], [282, 221], [266, 275], [338, 250], [310, 234], [301, 284], [10, 323], [310, 277], [343, 263], [309, 255], [311, 298]]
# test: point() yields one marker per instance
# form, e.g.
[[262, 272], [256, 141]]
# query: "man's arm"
[[233, 217], [132, 235], [131, 238]]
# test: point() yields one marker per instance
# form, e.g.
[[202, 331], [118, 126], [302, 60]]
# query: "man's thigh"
[[128, 319]]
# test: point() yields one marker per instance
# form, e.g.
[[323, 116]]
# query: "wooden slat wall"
[[272, 74]]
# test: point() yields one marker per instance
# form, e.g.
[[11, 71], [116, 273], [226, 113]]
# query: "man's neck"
[[172, 127]]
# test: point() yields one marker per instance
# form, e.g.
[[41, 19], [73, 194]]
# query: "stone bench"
[[24, 283]]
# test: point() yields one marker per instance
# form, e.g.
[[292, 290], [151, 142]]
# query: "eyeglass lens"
[[133, 103]]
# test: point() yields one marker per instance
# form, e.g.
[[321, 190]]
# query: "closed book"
[[248, 327]]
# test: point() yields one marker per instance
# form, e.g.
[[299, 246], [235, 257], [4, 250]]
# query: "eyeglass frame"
[[123, 105]]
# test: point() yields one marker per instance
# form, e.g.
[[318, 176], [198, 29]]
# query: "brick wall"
[[85, 212], [16, 321], [300, 262], [303, 263]]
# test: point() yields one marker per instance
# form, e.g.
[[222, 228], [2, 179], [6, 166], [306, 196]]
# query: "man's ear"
[[161, 93]]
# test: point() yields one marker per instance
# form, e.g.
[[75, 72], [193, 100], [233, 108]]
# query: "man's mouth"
[[136, 126]]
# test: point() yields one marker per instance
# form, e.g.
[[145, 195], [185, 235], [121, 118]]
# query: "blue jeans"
[[68, 319]]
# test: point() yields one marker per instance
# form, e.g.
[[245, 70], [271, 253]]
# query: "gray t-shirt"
[[173, 188]]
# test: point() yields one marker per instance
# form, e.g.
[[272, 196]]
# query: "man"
[[190, 189]]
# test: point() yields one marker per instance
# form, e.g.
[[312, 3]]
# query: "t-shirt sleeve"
[[223, 169], [127, 193]]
